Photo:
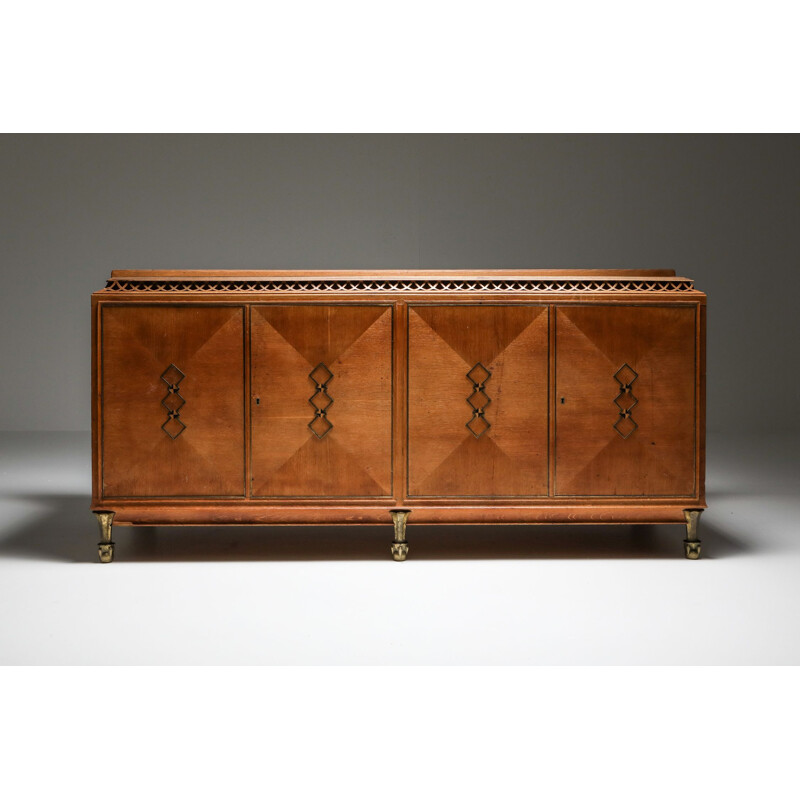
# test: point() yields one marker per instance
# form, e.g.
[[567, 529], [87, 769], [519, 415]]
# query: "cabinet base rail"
[[399, 518]]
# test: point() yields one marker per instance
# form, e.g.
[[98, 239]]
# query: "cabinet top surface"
[[379, 274], [500, 282]]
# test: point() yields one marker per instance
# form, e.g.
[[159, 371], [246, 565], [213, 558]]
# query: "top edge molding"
[[402, 284]]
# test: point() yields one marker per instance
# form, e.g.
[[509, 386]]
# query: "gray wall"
[[722, 209]]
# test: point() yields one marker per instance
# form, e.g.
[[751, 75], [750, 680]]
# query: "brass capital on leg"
[[691, 544], [105, 547], [399, 545]]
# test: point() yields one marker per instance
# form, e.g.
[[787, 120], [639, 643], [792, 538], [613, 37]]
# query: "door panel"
[[478, 401], [625, 401], [322, 400], [173, 401]]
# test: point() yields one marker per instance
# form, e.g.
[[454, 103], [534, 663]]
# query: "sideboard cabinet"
[[357, 398]]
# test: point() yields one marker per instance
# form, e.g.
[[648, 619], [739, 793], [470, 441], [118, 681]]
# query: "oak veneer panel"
[[354, 458], [138, 343], [658, 458], [509, 459]]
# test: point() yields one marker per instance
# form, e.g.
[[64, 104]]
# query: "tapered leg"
[[691, 544], [399, 545], [105, 547]]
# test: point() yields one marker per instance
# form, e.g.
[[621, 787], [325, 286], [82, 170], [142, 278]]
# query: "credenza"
[[400, 397]]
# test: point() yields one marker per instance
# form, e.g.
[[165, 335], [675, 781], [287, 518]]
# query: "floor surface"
[[478, 595]]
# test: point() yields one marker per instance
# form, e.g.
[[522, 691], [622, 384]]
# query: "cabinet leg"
[[691, 544], [105, 547], [399, 545]]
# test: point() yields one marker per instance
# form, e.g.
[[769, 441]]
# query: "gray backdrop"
[[722, 209]]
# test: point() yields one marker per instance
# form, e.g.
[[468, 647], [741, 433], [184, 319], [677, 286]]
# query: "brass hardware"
[[691, 549], [105, 546], [393, 286], [691, 544], [478, 400], [173, 402], [399, 545], [625, 401], [321, 401]]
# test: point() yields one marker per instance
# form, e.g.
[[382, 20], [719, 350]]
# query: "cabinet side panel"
[[701, 402], [97, 489], [172, 401]]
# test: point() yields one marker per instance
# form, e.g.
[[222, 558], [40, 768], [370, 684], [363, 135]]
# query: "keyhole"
[[258, 401], [562, 401]]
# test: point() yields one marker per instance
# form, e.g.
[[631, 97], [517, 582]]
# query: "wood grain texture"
[[354, 458], [658, 457], [445, 342], [138, 344]]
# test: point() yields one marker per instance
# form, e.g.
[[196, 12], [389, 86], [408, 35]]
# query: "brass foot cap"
[[399, 551], [106, 552], [692, 548]]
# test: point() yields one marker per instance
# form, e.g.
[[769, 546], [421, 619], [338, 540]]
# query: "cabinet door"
[[625, 401], [172, 382], [322, 400], [477, 400]]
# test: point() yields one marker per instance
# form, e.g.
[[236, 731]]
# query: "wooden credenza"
[[353, 398]]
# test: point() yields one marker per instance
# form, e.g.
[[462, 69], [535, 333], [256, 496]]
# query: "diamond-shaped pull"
[[625, 426], [626, 401], [173, 401], [173, 427], [320, 426], [625, 375], [478, 426], [479, 400], [479, 375], [172, 376], [320, 375], [321, 400]]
